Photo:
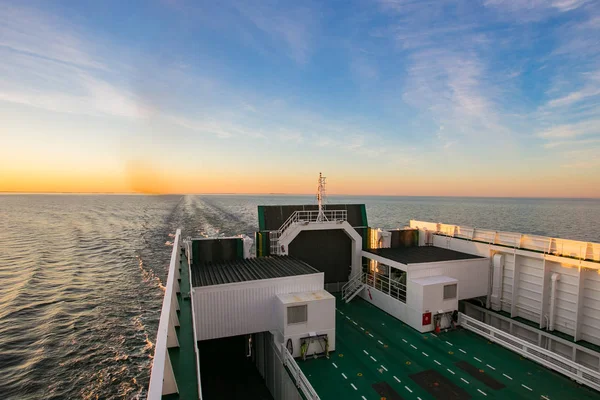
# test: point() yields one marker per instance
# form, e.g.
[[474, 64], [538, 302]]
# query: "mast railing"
[[305, 217]]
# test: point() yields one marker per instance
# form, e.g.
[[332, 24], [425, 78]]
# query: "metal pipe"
[[554, 278], [497, 276]]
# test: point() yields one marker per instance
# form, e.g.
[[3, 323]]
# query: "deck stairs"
[[353, 287], [303, 217]]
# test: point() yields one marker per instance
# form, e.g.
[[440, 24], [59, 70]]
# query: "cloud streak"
[[291, 28], [49, 64]]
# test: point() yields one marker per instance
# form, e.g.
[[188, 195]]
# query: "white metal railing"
[[388, 286], [188, 244], [392, 288], [353, 284], [544, 244], [162, 379], [547, 358], [297, 375], [304, 216], [538, 332]]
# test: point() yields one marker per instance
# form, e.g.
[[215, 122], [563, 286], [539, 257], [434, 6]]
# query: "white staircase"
[[353, 287]]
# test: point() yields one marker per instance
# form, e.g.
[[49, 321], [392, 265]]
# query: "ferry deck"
[[321, 306]]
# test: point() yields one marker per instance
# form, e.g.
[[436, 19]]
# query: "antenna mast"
[[321, 198]]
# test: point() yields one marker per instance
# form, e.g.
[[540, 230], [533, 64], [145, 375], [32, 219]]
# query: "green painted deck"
[[372, 347], [183, 358]]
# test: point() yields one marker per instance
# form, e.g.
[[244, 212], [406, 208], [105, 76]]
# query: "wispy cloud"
[[50, 64], [451, 88], [291, 27], [33, 32], [535, 6], [569, 144], [583, 128], [217, 128]]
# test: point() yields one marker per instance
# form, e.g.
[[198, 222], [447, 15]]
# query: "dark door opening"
[[227, 372]]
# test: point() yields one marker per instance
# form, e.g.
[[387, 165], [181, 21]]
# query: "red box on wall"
[[426, 318]]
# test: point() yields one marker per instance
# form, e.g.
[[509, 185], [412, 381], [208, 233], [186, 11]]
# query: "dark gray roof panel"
[[251, 269], [421, 254]]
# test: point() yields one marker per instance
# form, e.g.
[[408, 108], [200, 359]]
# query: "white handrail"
[[189, 266], [161, 355], [547, 245], [547, 358], [378, 281], [307, 216], [353, 283], [301, 381]]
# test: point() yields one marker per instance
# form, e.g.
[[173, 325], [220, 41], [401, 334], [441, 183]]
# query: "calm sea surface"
[[81, 276]]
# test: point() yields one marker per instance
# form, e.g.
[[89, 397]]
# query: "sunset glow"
[[492, 99]]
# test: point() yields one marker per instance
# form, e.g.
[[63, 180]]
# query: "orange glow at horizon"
[[140, 177]]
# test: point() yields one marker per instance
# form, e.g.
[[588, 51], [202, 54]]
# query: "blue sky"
[[386, 97]]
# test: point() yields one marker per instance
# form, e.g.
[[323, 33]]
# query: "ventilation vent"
[[296, 314], [450, 292]]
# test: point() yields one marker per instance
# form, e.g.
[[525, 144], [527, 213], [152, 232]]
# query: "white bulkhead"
[[306, 315]]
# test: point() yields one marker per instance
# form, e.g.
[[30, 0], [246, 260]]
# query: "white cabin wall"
[[566, 297], [529, 295], [245, 307], [590, 324], [532, 298], [320, 320], [473, 275], [395, 308], [507, 282]]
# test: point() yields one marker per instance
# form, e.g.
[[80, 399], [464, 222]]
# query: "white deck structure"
[[553, 283]]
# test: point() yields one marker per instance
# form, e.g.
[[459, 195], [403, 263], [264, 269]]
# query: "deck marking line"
[[491, 366], [482, 392], [434, 335], [362, 328], [407, 388], [413, 346], [370, 335], [364, 398], [380, 342], [527, 387], [437, 362], [477, 359], [452, 372], [449, 343], [397, 379], [464, 380], [373, 358], [366, 352], [507, 376], [462, 351], [344, 375], [384, 367], [404, 340], [544, 397], [347, 317], [352, 384], [334, 365], [425, 354], [354, 323]]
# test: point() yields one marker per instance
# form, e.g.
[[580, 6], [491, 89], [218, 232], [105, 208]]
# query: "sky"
[[385, 97]]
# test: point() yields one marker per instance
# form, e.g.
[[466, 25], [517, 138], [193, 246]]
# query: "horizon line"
[[287, 194]]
